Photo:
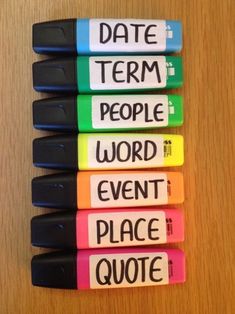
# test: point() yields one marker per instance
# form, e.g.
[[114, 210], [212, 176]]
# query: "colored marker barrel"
[[108, 268], [107, 74], [107, 113], [107, 36], [108, 189], [101, 228], [108, 151]]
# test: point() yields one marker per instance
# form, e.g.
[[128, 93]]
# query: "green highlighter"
[[107, 113], [107, 74]]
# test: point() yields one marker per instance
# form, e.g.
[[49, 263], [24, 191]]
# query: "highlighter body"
[[107, 228], [109, 151], [107, 36], [108, 189], [107, 74], [109, 268], [107, 113]]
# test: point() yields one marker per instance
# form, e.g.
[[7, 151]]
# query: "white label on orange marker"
[[127, 35], [135, 72], [138, 189], [125, 151], [129, 111], [126, 228], [128, 270]]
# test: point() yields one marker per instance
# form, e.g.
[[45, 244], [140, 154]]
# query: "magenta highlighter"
[[108, 268]]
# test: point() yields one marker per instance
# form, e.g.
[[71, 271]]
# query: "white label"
[[129, 111], [123, 151], [135, 72], [126, 228], [127, 35], [134, 189], [128, 270]]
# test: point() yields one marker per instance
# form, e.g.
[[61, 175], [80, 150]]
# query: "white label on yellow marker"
[[125, 151], [126, 228], [128, 270], [124, 72], [127, 35], [129, 111], [136, 189]]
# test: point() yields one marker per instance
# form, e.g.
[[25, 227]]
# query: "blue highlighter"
[[107, 36]]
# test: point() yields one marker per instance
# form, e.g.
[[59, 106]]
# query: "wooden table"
[[209, 160]]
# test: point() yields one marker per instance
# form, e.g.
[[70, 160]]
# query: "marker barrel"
[[107, 36], [118, 74], [107, 228], [108, 189], [107, 113], [108, 268], [108, 151]]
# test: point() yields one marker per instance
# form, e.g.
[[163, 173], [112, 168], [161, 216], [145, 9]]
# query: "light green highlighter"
[[108, 113]]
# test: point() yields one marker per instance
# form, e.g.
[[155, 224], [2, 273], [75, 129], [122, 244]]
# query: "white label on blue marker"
[[127, 35]]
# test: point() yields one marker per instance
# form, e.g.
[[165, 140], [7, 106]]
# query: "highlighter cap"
[[56, 152], [55, 75], [55, 191], [55, 37], [56, 114], [55, 230], [55, 270]]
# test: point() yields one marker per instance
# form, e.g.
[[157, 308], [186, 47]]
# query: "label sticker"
[[125, 151], [124, 72], [127, 35], [126, 228], [138, 189], [129, 111], [128, 270]]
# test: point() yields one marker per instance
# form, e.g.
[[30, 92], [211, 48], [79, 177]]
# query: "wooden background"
[[209, 160]]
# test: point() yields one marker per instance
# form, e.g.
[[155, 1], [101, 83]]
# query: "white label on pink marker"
[[128, 270], [126, 228]]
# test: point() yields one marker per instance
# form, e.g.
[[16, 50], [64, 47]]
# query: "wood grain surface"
[[209, 133]]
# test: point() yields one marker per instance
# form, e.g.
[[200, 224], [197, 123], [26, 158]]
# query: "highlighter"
[[108, 268], [108, 151], [107, 74], [107, 36], [107, 228], [107, 189], [107, 113]]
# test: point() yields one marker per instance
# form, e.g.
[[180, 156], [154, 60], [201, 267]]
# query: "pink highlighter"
[[107, 228], [108, 268]]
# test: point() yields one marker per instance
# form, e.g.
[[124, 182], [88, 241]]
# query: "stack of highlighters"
[[112, 193]]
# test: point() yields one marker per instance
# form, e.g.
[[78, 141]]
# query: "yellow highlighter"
[[102, 151]]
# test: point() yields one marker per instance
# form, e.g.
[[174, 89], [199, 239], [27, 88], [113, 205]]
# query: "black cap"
[[55, 75], [56, 114], [55, 37], [56, 230], [55, 270], [55, 191], [56, 152]]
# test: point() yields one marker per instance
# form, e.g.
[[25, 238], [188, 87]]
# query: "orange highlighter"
[[108, 189]]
